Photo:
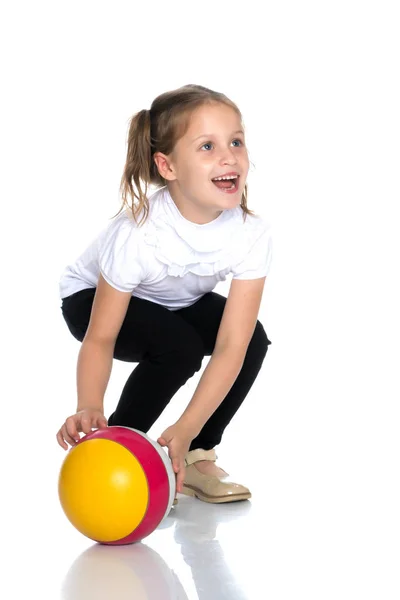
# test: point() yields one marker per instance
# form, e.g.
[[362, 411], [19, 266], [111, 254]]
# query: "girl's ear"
[[164, 166]]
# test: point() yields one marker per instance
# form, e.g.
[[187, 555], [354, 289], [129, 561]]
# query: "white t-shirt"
[[170, 260]]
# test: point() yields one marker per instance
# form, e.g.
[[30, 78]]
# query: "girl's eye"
[[210, 143]]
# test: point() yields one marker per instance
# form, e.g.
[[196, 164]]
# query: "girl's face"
[[213, 146]]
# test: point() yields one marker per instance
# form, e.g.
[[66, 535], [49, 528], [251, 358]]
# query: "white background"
[[317, 438]]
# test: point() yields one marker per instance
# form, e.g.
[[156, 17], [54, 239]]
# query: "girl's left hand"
[[178, 442]]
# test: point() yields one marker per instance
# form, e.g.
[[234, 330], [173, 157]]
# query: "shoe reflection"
[[196, 525], [122, 572]]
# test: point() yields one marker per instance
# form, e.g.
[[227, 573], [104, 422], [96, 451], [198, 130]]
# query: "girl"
[[142, 291]]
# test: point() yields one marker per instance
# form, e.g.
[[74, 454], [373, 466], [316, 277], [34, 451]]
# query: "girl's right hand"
[[83, 421]]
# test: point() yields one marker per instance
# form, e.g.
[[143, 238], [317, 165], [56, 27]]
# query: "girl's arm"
[[95, 362], [235, 332], [96, 353]]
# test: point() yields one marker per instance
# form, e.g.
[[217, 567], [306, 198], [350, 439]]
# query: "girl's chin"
[[230, 200]]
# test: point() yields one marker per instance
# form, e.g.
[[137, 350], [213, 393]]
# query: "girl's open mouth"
[[228, 185]]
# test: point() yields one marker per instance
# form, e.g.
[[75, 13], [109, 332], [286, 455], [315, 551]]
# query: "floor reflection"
[[196, 525], [123, 572]]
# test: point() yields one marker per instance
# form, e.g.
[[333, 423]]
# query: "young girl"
[[142, 291]]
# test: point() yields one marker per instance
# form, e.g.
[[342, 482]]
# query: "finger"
[[161, 441], [86, 424], [67, 437], [61, 441], [180, 478], [72, 429], [101, 422]]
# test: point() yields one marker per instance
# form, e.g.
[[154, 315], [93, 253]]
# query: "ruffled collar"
[[208, 237], [185, 246]]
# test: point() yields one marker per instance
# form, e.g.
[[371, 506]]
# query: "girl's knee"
[[189, 353], [260, 341]]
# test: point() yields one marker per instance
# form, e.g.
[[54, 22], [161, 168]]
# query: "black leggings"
[[169, 347]]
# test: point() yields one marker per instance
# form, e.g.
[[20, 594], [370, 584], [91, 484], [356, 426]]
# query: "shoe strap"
[[200, 454]]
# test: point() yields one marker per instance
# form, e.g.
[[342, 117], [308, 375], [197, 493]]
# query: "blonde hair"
[[158, 130]]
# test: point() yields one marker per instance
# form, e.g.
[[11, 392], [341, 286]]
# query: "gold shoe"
[[210, 488]]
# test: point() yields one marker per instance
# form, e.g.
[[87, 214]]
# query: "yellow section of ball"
[[103, 490]]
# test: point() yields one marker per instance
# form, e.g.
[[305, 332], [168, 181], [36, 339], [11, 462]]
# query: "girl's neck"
[[191, 212]]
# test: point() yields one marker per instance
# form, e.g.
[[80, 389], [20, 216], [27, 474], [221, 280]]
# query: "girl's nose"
[[228, 157]]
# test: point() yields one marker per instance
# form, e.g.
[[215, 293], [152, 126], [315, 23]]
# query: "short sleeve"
[[258, 256], [119, 255]]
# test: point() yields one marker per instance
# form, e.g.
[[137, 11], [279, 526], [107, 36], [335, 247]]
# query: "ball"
[[116, 485]]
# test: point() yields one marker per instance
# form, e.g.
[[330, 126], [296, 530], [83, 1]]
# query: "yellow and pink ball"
[[116, 485]]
